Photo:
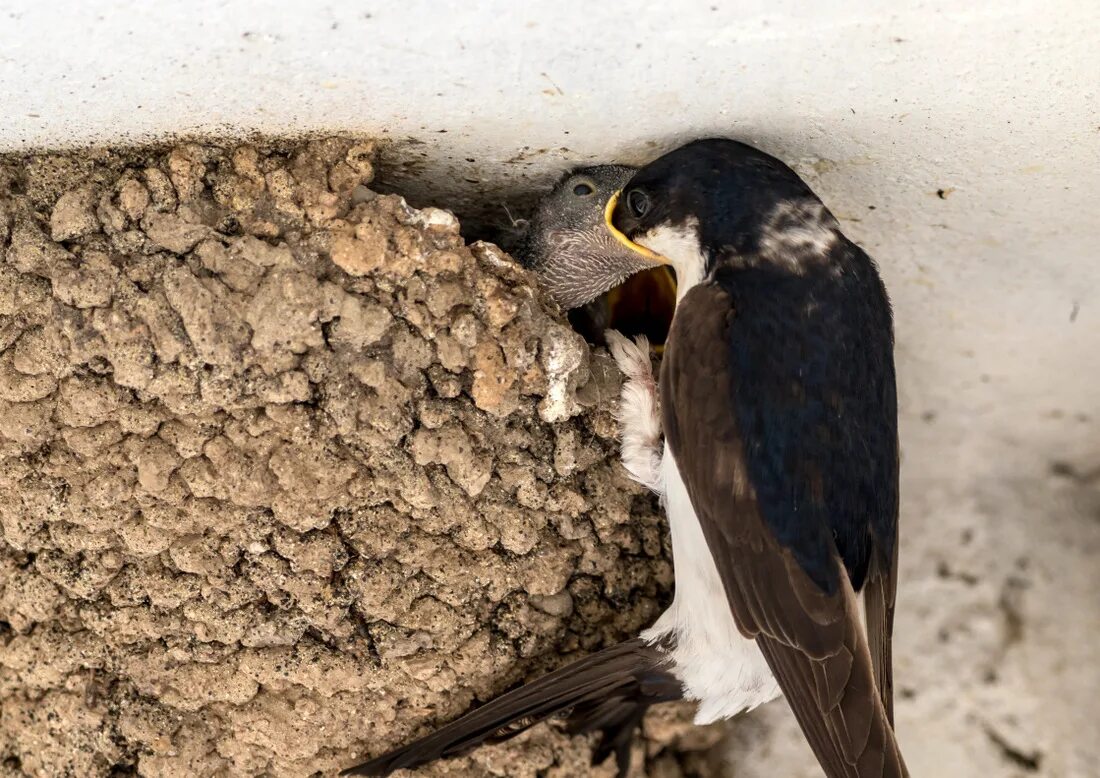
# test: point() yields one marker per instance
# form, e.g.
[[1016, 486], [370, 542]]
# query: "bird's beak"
[[649, 254]]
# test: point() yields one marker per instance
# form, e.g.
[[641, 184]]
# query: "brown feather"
[[607, 692], [812, 640], [879, 594]]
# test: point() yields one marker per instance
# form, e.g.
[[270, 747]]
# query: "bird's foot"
[[639, 414]]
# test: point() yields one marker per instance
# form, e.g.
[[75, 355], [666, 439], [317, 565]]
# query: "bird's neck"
[[688, 275]]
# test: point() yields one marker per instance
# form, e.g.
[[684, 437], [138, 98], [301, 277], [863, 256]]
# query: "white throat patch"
[[681, 246]]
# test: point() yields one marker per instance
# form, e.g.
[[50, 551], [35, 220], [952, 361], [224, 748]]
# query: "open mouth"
[[641, 305], [638, 248]]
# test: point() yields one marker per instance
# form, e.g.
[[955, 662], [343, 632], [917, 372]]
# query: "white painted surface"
[[879, 104]]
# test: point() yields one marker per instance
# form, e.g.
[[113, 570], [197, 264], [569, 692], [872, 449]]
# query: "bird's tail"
[[607, 692]]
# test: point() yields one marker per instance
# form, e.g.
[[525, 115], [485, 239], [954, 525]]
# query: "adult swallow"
[[780, 471]]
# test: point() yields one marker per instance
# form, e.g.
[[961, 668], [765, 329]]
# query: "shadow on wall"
[[491, 196]]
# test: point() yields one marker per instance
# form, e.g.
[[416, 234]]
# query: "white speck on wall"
[[563, 360]]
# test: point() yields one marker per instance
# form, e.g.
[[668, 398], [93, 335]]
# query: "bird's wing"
[[879, 594], [607, 692], [786, 581]]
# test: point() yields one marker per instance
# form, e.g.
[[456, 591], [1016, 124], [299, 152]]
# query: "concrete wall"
[[959, 142]]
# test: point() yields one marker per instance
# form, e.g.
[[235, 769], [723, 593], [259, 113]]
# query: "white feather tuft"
[[639, 414], [718, 666]]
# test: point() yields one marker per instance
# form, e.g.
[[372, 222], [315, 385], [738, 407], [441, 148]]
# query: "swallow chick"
[[601, 283]]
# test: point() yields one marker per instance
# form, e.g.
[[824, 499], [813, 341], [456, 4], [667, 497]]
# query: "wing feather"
[[810, 636], [879, 595]]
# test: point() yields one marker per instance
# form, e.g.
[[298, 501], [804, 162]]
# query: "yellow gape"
[[644, 303], [653, 256]]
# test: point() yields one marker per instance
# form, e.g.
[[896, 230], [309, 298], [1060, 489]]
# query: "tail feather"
[[879, 593], [607, 692], [837, 705]]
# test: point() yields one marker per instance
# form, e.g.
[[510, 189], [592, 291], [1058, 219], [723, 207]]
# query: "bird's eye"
[[638, 202], [583, 190]]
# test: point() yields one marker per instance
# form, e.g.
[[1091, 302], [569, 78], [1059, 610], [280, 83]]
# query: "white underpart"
[[680, 245], [639, 417], [718, 667]]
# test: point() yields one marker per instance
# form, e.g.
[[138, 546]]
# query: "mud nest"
[[289, 474]]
